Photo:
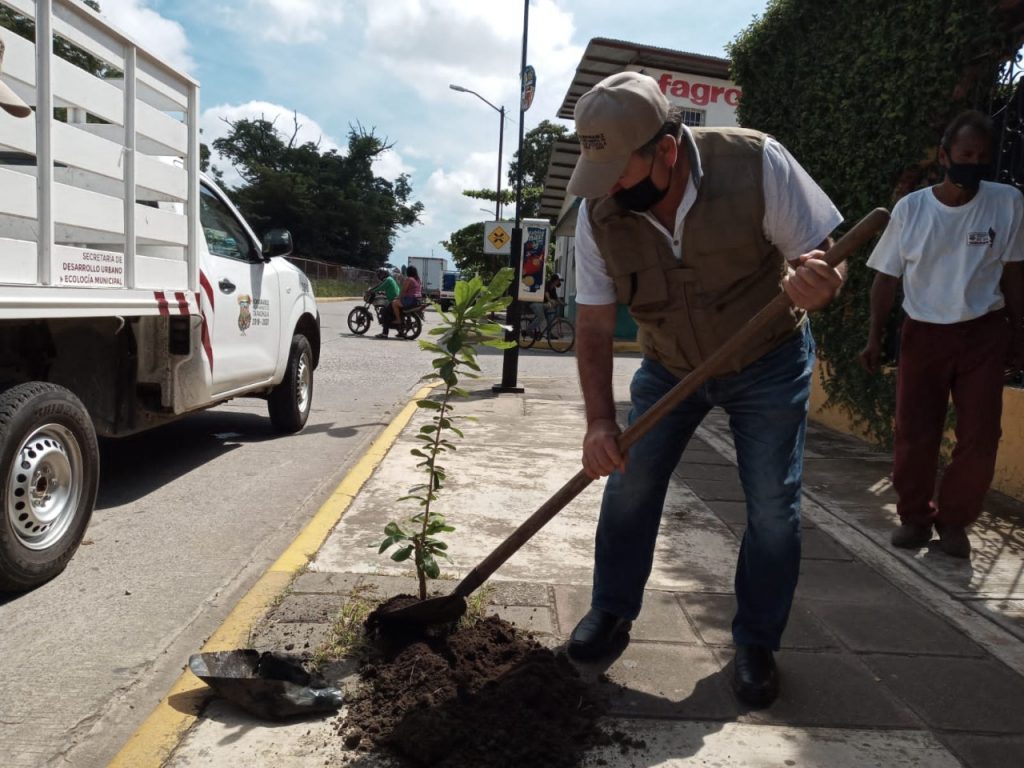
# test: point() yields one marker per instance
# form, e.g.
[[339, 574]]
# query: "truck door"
[[246, 302]]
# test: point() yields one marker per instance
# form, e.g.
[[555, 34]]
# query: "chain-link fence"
[[315, 269]]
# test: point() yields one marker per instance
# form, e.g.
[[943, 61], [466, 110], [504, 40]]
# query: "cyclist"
[[544, 311]]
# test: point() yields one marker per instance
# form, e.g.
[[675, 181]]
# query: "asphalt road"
[[188, 517]]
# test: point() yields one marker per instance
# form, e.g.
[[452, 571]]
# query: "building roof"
[[605, 57]]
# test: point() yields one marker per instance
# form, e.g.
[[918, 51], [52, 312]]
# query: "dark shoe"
[[755, 680], [598, 634], [954, 542], [381, 336], [911, 536]]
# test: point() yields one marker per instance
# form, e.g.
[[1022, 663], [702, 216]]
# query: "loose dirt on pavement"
[[481, 694]]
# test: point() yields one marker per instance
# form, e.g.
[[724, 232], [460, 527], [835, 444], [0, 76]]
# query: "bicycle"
[[559, 333]]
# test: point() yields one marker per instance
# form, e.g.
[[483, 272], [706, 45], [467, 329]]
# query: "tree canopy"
[[863, 111], [335, 206]]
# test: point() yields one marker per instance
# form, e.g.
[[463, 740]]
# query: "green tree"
[[335, 206], [863, 110]]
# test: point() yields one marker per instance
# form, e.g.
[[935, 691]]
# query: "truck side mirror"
[[277, 242]]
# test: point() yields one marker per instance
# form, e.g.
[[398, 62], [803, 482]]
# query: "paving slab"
[[742, 745], [333, 583], [661, 618], [307, 609], [531, 619], [850, 582], [935, 686], [988, 751], [666, 681], [832, 690], [712, 616], [290, 637], [904, 628]]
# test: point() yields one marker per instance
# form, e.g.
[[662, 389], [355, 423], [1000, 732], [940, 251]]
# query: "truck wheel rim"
[[45, 486], [303, 383]]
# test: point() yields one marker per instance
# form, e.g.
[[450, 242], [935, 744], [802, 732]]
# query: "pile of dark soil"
[[480, 695]]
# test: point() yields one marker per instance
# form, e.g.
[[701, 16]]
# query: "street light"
[[501, 141]]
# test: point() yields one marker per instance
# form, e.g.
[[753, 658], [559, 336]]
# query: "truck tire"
[[290, 401], [49, 473]]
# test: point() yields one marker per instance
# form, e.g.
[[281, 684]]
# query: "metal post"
[[501, 140], [510, 361]]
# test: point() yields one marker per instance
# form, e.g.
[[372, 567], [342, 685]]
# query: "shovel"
[[450, 607]]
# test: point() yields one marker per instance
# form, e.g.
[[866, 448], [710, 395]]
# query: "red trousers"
[[966, 360]]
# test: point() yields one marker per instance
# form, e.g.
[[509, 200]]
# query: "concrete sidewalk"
[[890, 659]]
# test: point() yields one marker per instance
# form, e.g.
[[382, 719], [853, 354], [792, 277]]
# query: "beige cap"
[[9, 99], [614, 119]]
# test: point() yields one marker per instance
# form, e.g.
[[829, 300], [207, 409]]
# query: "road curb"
[[155, 740]]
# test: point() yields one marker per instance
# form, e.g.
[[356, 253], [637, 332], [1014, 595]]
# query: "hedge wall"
[[859, 91]]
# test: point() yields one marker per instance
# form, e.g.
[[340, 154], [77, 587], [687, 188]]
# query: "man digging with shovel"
[[696, 231]]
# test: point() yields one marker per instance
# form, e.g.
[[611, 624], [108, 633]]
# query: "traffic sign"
[[498, 238]]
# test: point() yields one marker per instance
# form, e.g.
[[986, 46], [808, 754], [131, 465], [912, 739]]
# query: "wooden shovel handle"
[[859, 235]]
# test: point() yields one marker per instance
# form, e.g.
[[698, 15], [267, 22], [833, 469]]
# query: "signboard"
[[536, 238], [529, 87], [715, 97], [78, 268], [498, 238]]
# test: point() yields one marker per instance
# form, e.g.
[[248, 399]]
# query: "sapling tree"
[[466, 326]]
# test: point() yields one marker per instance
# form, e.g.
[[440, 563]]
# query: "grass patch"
[[476, 605], [346, 636], [336, 288]]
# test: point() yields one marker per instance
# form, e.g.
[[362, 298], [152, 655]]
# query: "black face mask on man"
[[967, 176], [643, 195]]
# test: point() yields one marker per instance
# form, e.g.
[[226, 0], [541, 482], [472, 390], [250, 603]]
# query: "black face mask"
[[968, 176], [642, 196]]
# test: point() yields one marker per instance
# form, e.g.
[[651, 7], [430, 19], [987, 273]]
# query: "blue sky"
[[387, 64]]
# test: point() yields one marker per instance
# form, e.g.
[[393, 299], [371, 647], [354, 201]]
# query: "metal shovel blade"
[[435, 610]]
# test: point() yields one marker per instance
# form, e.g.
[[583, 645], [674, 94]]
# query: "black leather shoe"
[[598, 634], [755, 680]]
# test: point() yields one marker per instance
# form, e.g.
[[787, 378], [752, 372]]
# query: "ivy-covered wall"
[[859, 91]]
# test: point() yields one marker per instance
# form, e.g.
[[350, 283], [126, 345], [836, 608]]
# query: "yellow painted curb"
[[154, 741]]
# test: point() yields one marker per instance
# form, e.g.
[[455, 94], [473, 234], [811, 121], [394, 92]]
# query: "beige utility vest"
[[687, 309]]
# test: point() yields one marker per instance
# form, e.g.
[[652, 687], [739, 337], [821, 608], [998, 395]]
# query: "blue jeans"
[[767, 407]]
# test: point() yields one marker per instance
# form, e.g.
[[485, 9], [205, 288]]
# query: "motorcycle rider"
[[390, 288]]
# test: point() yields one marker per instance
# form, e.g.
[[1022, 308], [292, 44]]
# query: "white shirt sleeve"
[[593, 285], [798, 215], [1015, 251], [887, 257]]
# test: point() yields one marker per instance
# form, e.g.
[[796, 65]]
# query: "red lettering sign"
[[697, 92]]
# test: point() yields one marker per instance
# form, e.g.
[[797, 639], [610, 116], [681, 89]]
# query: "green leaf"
[[430, 405], [403, 554], [393, 529], [430, 566]]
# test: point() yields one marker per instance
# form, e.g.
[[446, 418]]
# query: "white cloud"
[[158, 35], [287, 21], [431, 43], [390, 165]]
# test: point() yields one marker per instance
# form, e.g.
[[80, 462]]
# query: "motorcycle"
[[361, 318]]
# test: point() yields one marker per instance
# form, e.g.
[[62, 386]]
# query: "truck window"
[[225, 236]]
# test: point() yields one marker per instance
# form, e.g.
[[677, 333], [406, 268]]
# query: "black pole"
[[501, 140], [510, 361]]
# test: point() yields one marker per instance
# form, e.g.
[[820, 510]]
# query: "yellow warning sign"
[[497, 238]]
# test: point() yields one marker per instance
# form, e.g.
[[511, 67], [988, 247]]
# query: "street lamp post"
[[501, 141]]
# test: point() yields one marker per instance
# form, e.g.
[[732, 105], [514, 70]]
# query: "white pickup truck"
[[131, 290]]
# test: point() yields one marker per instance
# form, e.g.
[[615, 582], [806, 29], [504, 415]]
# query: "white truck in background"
[[431, 270], [131, 290]]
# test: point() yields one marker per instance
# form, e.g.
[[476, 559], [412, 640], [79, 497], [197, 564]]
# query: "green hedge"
[[859, 91]]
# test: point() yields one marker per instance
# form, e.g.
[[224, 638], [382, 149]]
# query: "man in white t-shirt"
[[958, 248], [696, 231]]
